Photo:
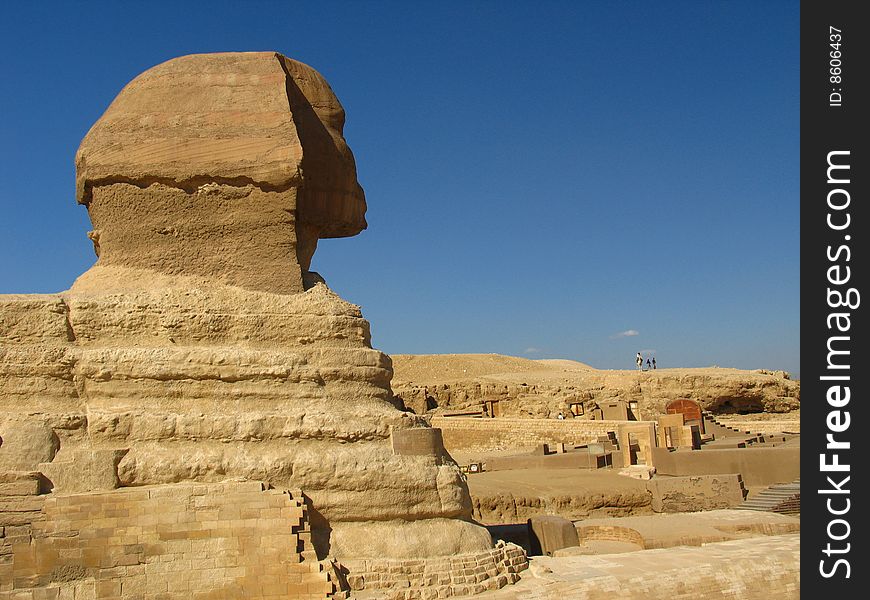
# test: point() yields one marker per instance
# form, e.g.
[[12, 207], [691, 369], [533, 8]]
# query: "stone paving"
[[765, 568]]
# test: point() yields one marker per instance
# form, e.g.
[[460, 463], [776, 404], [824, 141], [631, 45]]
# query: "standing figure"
[[654, 362], [639, 360], [648, 364]]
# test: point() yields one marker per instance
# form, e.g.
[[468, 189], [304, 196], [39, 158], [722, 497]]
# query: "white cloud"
[[532, 350], [626, 333]]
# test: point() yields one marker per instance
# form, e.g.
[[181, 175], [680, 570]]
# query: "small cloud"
[[626, 333], [532, 350]]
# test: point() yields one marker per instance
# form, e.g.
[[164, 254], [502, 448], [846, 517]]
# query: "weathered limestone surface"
[[205, 382], [200, 347], [467, 434], [699, 492], [543, 388], [549, 533], [26, 444], [506, 497]]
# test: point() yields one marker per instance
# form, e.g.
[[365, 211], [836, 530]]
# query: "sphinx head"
[[225, 166]]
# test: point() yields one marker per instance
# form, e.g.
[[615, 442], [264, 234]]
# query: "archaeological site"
[[200, 416]]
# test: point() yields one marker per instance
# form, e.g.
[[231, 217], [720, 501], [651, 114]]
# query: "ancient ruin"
[[637, 460], [199, 412]]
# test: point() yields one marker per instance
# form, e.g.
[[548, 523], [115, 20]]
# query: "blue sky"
[[545, 179]]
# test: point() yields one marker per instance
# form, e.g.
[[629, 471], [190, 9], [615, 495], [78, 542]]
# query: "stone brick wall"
[[460, 575], [758, 466], [609, 532], [768, 426], [698, 492], [20, 506], [180, 541], [470, 434]]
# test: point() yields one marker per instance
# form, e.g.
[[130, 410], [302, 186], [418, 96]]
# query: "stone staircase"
[[724, 433], [324, 576], [713, 426], [783, 498], [723, 436]]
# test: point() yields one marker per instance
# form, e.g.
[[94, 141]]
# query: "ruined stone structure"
[[200, 349]]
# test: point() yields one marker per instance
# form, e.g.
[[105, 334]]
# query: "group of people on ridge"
[[649, 365]]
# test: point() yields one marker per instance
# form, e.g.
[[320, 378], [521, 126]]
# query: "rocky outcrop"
[[543, 388], [199, 347]]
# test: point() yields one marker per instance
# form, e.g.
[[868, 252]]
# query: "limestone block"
[[33, 318], [417, 442], [20, 483], [549, 533], [26, 444], [638, 472], [696, 492], [614, 411], [85, 470], [672, 420]]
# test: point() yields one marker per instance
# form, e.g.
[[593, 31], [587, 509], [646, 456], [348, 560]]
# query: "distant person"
[[648, 364], [639, 360], [654, 362]]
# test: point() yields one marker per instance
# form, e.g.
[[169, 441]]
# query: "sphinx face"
[[331, 202], [226, 166]]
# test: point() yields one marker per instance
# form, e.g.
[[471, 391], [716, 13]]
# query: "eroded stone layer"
[[199, 382], [241, 236]]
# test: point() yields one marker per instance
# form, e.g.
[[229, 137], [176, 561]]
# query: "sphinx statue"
[[200, 347]]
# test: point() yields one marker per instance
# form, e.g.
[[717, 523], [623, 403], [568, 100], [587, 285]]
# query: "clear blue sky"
[[541, 176]]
